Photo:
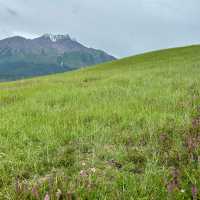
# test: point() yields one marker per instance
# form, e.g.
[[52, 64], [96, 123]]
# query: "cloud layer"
[[121, 27]]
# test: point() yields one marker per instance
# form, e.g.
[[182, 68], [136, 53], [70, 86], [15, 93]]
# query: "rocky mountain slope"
[[21, 57]]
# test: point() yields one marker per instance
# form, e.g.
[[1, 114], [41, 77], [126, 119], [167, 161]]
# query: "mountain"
[[128, 129], [21, 57]]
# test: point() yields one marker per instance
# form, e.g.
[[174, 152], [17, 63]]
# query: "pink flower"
[[194, 192], [171, 186], [83, 173], [47, 197], [35, 193]]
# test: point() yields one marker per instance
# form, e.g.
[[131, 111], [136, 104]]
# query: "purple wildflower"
[[194, 192], [35, 192]]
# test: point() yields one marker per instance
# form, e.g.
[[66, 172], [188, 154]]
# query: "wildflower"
[[83, 164], [194, 192], [47, 197], [83, 173], [171, 186], [93, 170], [175, 182], [182, 190], [35, 193]]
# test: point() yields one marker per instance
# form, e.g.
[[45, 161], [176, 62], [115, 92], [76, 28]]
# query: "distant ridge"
[[47, 54]]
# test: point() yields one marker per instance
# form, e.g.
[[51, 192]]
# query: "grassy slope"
[[129, 121]]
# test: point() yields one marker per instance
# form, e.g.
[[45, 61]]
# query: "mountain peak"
[[44, 55], [55, 38]]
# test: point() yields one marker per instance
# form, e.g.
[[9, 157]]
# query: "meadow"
[[127, 129]]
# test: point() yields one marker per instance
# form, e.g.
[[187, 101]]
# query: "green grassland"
[[128, 129]]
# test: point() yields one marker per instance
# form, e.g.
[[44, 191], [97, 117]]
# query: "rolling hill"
[[128, 129], [48, 54]]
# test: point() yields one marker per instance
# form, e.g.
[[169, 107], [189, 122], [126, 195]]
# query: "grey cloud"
[[121, 27]]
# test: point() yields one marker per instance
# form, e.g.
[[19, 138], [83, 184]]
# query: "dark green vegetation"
[[129, 129], [48, 54]]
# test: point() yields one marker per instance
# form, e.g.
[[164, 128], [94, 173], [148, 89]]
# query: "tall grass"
[[123, 130]]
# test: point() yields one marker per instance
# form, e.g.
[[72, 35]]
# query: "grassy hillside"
[[122, 130]]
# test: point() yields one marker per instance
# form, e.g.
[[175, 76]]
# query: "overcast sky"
[[120, 27]]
